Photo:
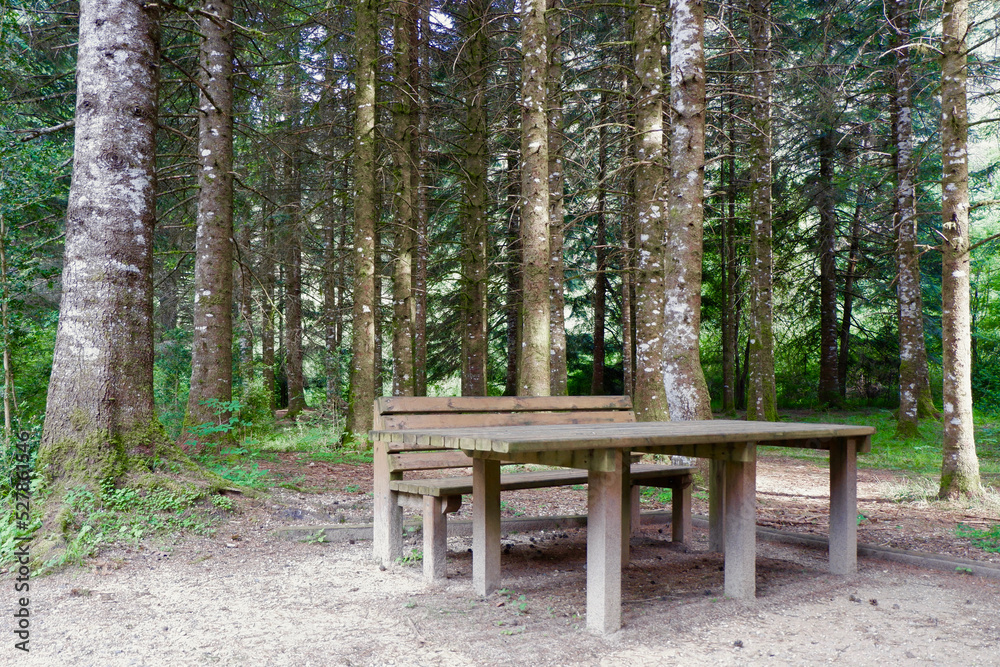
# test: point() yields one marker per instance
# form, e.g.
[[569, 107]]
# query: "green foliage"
[[662, 496], [115, 515], [987, 539]]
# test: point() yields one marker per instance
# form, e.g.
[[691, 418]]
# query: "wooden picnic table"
[[603, 450]]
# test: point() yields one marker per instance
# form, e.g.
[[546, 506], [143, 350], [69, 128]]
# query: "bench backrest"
[[403, 412]]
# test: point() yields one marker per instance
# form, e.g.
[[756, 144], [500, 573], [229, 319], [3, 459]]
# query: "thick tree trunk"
[[686, 390], [212, 345], [475, 344], [649, 401], [960, 466], [826, 202], [761, 394], [915, 398], [100, 423], [533, 366], [557, 210], [363, 367], [403, 305]]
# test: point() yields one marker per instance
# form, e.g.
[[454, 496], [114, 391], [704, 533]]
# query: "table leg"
[[485, 526], [741, 527], [844, 508], [604, 541], [716, 505]]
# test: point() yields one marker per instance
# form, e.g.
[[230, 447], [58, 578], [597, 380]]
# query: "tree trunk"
[[844, 354], [533, 366], [826, 202], [212, 345], [513, 277], [292, 236], [557, 210], [475, 344], [686, 390], [915, 398], [761, 394], [601, 250], [649, 401], [730, 315], [960, 467], [363, 367], [100, 423], [403, 305], [419, 49]]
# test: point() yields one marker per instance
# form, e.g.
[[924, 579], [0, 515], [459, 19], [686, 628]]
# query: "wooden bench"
[[436, 497]]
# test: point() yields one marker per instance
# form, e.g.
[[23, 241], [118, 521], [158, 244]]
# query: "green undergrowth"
[[95, 519], [249, 464], [987, 539], [920, 456]]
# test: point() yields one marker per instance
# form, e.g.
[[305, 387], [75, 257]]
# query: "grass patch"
[[987, 539], [653, 494], [921, 455]]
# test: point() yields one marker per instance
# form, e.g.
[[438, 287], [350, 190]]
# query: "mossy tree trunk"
[[685, 387], [533, 363], [363, 367], [915, 398], [100, 426], [960, 466], [212, 345], [648, 400], [761, 390], [475, 198], [558, 380], [405, 239]]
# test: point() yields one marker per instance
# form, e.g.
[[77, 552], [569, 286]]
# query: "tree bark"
[[403, 303], [915, 400], [100, 423], [828, 393], [557, 210], [475, 344], [960, 466], [419, 48], [649, 401], [730, 313], [601, 251], [761, 392], [212, 345], [533, 366], [686, 390], [363, 367], [292, 237]]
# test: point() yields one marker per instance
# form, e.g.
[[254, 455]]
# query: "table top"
[[635, 436]]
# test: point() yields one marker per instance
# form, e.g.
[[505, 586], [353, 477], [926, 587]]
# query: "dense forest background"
[[448, 122]]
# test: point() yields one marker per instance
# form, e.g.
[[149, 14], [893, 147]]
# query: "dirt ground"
[[247, 597]]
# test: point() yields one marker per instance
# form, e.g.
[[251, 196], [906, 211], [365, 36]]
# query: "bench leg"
[[635, 511], [604, 541], [630, 510], [387, 528], [680, 509], [435, 538], [844, 508], [485, 526], [741, 527]]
